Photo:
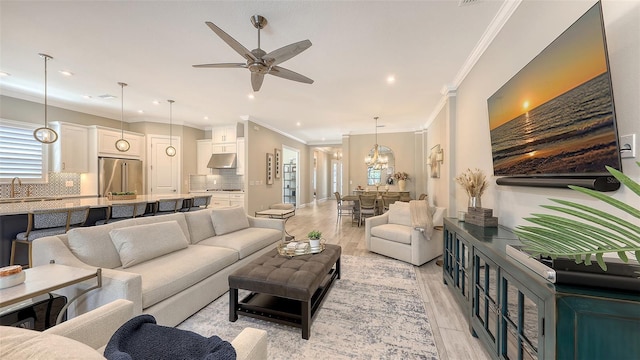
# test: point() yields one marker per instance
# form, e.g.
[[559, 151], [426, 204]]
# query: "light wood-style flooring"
[[450, 329]]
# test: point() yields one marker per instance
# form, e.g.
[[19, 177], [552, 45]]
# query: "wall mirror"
[[382, 175]]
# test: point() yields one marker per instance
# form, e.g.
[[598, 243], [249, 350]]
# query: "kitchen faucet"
[[13, 186]]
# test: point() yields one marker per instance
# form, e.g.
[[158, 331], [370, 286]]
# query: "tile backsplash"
[[57, 186], [225, 179]]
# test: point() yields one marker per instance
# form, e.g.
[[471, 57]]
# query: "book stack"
[[481, 217]]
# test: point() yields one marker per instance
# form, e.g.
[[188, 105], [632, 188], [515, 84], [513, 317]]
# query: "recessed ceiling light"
[[156, 102], [251, 96], [298, 123], [323, 139], [87, 96], [66, 73], [391, 79], [2, 73], [206, 118], [140, 111]]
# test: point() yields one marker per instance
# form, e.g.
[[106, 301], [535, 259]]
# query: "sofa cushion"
[[179, 217], [400, 213], [393, 232], [93, 246], [188, 267], [200, 225], [228, 220], [137, 244], [246, 241], [18, 343]]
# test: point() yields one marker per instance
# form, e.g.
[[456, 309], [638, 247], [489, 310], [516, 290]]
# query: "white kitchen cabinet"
[[224, 134], [203, 154], [236, 199], [107, 143], [224, 148], [70, 153], [219, 200], [240, 156]]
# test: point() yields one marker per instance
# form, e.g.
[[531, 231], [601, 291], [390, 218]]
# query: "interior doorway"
[[290, 178], [164, 172]]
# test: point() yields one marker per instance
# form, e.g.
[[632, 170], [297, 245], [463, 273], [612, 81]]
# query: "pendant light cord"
[[170, 122], [122, 110], [46, 58]]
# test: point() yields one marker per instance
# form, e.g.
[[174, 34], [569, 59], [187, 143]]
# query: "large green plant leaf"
[[581, 231]]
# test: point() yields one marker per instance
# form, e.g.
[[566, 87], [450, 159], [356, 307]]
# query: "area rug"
[[374, 311]]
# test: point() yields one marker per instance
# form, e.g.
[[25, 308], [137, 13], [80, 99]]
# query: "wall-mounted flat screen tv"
[[556, 116]]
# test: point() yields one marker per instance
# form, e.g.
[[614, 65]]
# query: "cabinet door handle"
[[64, 165]]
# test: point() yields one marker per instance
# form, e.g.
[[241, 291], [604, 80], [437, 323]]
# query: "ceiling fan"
[[258, 61]]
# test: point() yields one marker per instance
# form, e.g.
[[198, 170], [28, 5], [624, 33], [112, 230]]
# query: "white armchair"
[[391, 234], [85, 337]]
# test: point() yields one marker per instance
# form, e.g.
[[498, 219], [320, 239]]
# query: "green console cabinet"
[[518, 315]]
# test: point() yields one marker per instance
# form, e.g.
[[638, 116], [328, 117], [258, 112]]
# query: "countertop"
[[93, 202]]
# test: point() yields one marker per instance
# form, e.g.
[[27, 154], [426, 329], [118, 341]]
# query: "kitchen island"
[[14, 219]]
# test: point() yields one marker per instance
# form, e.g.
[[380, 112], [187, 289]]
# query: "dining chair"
[[48, 222], [388, 199], [343, 209], [123, 211], [367, 206]]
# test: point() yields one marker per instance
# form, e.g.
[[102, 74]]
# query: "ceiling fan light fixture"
[[45, 135], [122, 145], [170, 150]]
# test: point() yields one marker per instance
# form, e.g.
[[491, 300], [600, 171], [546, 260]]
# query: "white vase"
[[402, 185]]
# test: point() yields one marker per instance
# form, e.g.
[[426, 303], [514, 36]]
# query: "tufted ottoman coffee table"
[[286, 290]]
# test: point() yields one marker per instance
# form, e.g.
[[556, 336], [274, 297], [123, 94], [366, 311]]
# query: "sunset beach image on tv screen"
[[556, 115]]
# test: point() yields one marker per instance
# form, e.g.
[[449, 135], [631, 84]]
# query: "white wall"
[[531, 28]]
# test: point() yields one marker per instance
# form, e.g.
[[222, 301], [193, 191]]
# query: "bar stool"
[[167, 206], [122, 211], [343, 209], [196, 203], [48, 222]]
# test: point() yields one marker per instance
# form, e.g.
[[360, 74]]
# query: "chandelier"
[[375, 160]]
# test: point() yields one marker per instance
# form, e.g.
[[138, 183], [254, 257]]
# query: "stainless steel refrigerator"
[[119, 175]]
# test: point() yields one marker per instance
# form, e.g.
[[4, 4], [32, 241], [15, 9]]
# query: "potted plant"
[[314, 238], [594, 232]]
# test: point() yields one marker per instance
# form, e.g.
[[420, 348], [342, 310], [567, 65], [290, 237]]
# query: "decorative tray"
[[301, 248], [121, 197]]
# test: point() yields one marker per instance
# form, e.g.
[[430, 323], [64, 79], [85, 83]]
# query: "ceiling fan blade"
[[286, 52], [235, 45], [289, 75], [222, 65], [256, 81]]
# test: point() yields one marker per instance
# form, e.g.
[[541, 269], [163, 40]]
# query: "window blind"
[[20, 154]]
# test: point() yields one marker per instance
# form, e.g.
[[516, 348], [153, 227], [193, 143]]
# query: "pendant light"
[[45, 135], [170, 150], [376, 161], [121, 144]]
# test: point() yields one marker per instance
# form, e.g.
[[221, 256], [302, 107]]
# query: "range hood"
[[222, 161]]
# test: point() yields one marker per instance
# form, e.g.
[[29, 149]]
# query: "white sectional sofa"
[[169, 266]]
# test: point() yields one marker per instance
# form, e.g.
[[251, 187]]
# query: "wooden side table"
[[48, 278]]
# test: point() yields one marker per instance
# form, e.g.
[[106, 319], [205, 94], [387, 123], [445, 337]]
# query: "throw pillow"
[[137, 244], [93, 246], [228, 220], [400, 213]]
